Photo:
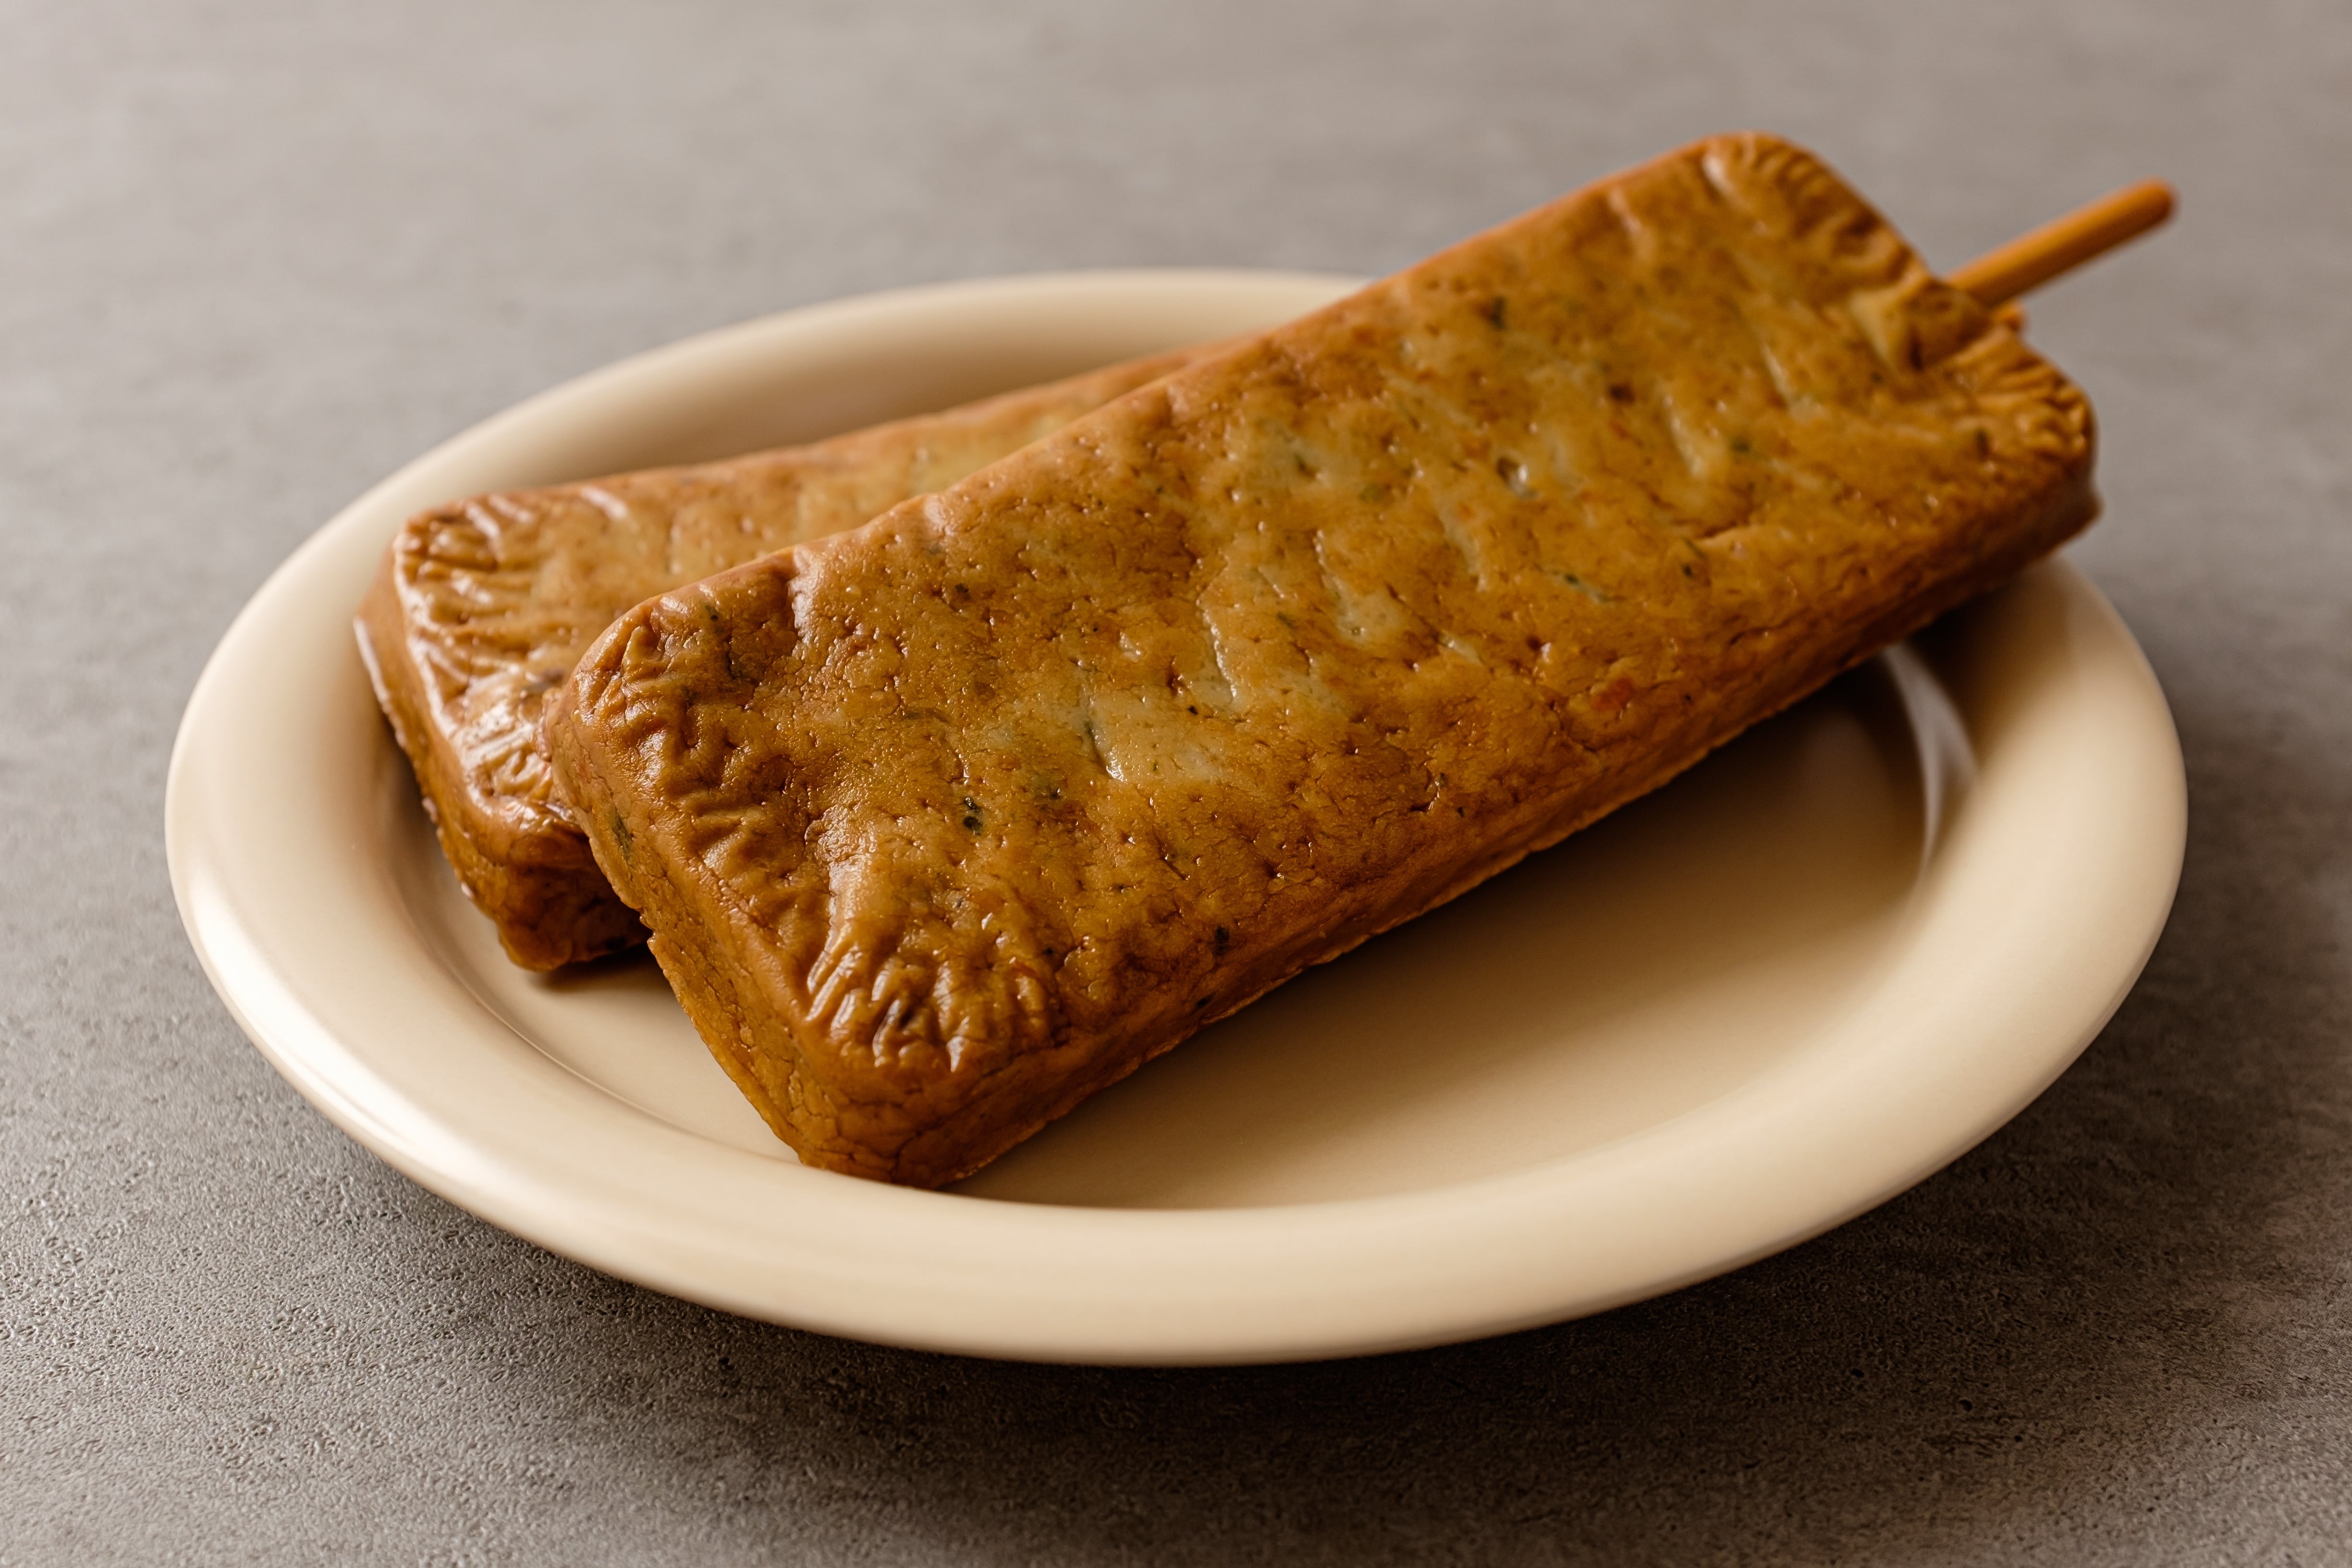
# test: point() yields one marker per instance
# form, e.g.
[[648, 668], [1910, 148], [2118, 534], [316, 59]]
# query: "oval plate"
[[1789, 985]]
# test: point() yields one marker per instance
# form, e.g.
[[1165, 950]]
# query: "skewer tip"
[[2065, 243]]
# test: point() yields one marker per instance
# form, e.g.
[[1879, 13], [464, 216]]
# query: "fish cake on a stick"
[[481, 606], [945, 824]]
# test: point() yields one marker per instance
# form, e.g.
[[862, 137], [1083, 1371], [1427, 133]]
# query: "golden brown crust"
[[481, 606], [945, 824]]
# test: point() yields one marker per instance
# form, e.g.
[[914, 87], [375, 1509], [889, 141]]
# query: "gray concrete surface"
[[252, 256]]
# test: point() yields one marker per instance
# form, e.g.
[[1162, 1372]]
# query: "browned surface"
[[945, 824], [481, 606]]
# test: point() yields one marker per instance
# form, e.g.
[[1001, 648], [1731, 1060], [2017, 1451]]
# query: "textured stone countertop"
[[253, 258]]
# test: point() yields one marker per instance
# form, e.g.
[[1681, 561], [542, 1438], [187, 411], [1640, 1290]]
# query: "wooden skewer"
[[2032, 259]]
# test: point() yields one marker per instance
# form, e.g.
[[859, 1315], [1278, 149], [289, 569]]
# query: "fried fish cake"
[[481, 606], [945, 824]]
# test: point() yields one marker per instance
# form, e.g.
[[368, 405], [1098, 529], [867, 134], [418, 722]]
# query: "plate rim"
[[995, 1278]]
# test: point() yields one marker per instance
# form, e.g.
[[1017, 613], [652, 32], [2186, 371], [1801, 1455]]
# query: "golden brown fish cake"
[[481, 606], [947, 823]]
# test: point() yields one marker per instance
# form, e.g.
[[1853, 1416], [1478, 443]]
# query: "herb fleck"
[[1597, 595]]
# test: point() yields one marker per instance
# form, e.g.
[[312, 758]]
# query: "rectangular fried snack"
[[481, 606], [945, 824]]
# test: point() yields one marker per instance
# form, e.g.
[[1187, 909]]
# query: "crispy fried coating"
[[482, 606], [945, 824]]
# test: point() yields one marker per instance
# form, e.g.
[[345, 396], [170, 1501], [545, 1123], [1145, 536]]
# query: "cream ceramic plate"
[[1738, 1013]]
